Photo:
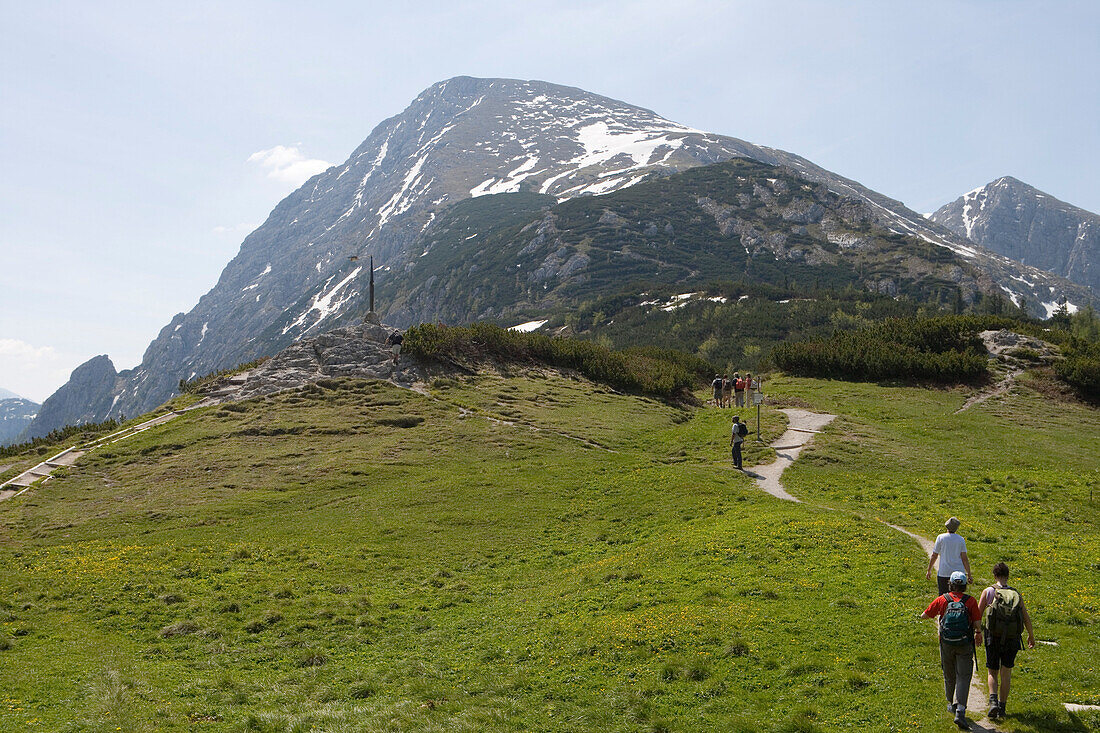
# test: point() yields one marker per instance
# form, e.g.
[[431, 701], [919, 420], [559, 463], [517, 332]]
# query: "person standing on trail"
[[1008, 617], [960, 631], [950, 550], [738, 390], [727, 392], [737, 437], [716, 388], [395, 340]]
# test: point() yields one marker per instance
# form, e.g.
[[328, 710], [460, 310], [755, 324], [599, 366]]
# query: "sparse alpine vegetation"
[[660, 372]]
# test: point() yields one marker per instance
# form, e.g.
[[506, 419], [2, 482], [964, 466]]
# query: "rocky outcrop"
[[1032, 227], [87, 397], [356, 351]]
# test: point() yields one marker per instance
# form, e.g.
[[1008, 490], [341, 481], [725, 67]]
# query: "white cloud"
[[235, 229], [33, 371], [288, 164]]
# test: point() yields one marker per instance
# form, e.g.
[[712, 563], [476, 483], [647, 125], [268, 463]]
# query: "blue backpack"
[[955, 627]]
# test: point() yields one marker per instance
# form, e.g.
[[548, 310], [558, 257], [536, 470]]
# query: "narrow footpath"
[[801, 428], [68, 457]]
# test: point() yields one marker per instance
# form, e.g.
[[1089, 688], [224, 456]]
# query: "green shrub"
[[943, 349], [1081, 368], [659, 372]]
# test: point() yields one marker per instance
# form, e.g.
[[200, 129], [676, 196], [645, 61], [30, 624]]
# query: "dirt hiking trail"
[[801, 428]]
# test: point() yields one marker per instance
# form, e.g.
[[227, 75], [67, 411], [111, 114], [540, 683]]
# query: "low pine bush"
[[1081, 368], [659, 372], [944, 350]]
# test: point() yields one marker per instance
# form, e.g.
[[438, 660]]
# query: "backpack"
[[739, 385], [1005, 617], [955, 624], [742, 429]]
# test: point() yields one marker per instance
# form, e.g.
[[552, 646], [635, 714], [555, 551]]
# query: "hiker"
[[950, 550], [716, 387], [727, 392], [738, 390], [395, 340], [737, 437], [1008, 617], [960, 631]]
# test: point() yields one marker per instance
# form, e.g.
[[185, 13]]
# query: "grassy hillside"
[[532, 551]]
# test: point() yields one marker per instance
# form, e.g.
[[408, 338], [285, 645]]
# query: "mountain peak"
[[1017, 220], [303, 271]]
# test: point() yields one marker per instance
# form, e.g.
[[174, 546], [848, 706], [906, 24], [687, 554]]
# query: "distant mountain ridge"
[[16, 415], [8, 395], [459, 139], [1019, 221]]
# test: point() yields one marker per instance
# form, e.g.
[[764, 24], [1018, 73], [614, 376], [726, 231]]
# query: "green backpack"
[[1005, 616]]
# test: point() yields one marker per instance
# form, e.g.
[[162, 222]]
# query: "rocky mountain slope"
[[91, 395], [1019, 221], [459, 139], [16, 414], [734, 221]]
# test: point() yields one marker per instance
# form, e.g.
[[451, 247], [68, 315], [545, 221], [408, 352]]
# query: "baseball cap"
[[958, 577]]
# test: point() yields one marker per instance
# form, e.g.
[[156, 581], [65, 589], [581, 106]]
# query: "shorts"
[[1001, 652]]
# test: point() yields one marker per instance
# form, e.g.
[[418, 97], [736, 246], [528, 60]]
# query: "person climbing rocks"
[[950, 550], [716, 388], [737, 437], [394, 341], [959, 632], [1004, 626]]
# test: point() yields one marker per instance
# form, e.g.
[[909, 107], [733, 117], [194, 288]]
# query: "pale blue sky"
[[129, 131]]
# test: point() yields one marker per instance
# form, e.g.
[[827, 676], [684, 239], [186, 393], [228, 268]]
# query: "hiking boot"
[[1001, 709], [951, 708], [960, 717], [994, 708]]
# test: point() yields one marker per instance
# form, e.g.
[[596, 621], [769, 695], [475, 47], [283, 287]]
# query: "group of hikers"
[[731, 392], [961, 630]]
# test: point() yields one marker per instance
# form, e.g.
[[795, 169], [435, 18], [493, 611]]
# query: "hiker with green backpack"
[[960, 632], [1004, 627]]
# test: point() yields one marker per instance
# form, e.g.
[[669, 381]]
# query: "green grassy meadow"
[[534, 552]]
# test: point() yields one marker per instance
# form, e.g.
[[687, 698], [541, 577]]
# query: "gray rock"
[[1032, 227], [357, 352]]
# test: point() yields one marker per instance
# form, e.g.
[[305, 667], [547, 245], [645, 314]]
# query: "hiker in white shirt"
[[950, 550]]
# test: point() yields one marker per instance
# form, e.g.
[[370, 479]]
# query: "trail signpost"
[[758, 399]]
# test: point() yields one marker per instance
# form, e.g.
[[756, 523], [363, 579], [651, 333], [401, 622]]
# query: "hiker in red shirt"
[[960, 630]]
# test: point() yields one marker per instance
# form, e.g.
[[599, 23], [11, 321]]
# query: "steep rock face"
[[304, 270], [16, 414], [1032, 227], [86, 397]]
